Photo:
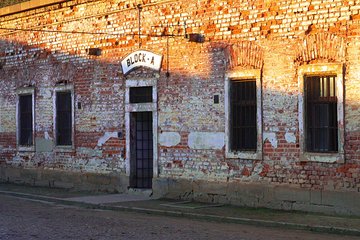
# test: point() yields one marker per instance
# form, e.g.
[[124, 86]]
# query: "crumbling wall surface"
[[191, 125]]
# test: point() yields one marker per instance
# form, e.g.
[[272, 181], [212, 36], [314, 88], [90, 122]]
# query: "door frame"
[[141, 107]]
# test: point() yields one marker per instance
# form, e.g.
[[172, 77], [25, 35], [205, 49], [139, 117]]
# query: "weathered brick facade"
[[279, 38]]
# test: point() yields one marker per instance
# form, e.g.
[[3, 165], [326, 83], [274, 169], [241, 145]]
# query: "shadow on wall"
[[185, 105], [99, 88]]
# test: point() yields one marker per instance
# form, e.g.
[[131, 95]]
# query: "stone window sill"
[[322, 157], [245, 155], [64, 149], [26, 149]]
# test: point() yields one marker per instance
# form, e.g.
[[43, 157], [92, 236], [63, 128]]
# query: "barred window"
[[321, 114], [25, 120], [243, 108], [63, 118]]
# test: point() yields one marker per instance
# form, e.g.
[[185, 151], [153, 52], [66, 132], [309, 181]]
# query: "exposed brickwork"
[[245, 54], [322, 46], [275, 36]]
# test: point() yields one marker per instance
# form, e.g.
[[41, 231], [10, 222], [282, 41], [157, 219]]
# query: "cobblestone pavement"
[[28, 219]]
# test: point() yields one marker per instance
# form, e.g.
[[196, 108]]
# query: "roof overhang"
[[28, 5]]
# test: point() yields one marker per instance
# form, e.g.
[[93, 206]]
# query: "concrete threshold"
[[91, 204]]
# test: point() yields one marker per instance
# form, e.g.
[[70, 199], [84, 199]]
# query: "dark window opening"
[[243, 123], [25, 120], [63, 118], [140, 94], [141, 149], [321, 114]]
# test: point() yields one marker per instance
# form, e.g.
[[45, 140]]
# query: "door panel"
[[141, 134]]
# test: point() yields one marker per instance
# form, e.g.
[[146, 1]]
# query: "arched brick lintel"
[[244, 54], [321, 46]]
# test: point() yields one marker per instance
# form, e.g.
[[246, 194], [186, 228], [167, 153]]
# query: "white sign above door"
[[141, 58]]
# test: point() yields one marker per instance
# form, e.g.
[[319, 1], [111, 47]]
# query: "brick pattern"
[[322, 46], [245, 54], [269, 31]]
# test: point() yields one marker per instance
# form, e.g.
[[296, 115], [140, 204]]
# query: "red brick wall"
[[185, 99]]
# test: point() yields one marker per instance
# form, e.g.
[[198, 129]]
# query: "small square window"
[[141, 94]]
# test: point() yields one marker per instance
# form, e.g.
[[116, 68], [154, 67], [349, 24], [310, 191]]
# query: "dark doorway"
[[141, 150]]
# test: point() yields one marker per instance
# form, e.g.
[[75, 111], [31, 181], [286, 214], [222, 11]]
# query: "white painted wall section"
[[169, 139], [206, 140], [290, 137], [106, 137], [272, 138]]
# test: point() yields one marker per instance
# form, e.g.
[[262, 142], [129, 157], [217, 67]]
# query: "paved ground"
[[141, 202], [33, 219]]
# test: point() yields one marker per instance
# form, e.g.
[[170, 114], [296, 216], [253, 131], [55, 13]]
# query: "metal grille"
[[143, 150], [26, 120], [243, 131], [321, 114], [63, 118], [140, 94]]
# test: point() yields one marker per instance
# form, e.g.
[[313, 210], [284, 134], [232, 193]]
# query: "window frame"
[[136, 97], [142, 107], [244, 75], [64, 88], [320, 93], [328, 69], [24, 91]]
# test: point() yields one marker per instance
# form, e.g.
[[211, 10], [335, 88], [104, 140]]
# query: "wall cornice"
[[28, 5]]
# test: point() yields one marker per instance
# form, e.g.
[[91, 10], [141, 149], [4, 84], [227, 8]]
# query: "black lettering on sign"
[[128, 62], [143, 57], [152, 61]]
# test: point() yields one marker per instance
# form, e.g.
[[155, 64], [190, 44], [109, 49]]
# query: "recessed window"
[[321, 114], [243, 125], [63, 118], [141, 94], [25, 121], [243, 108]]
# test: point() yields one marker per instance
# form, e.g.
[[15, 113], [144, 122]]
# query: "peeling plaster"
[[47, 136], [44, 145], [272, 138], [258, 169], [45, 93], [169, 139], [106, 137], [206, 140], [290, 137], [89, 152]]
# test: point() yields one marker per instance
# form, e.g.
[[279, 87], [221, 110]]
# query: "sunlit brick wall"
[[185, 103]]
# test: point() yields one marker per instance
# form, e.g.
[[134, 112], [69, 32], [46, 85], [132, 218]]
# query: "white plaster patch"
[[47, 136], [206, 140], [89, 152], [169, 139], [258, 169], [272, 138], [46, 93], [290, 137], [106, 137]]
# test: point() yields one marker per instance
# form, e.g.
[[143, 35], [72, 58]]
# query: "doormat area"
[[190, 205]]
